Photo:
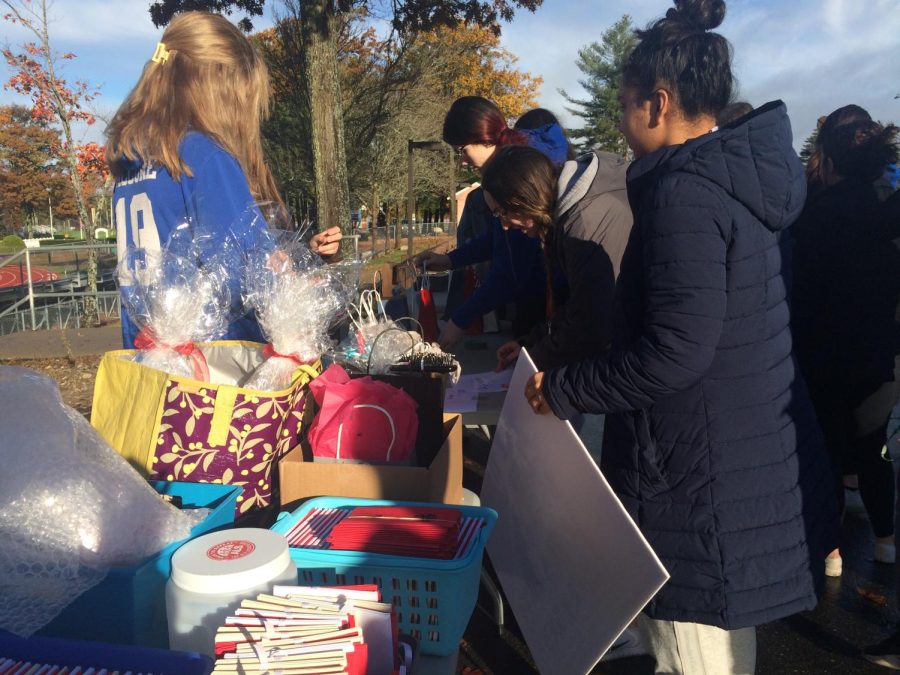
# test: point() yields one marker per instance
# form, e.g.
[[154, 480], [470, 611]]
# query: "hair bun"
[[698, 14]]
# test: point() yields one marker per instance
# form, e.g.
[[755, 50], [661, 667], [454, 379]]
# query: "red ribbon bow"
[[146, 339], [269, 352]]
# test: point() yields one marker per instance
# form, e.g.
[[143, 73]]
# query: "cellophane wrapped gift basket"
[[186, 407]]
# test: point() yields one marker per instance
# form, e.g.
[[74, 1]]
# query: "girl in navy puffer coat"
[[711, 442]]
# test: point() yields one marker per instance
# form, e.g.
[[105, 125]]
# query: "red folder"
[[395, 530], [358, 660]]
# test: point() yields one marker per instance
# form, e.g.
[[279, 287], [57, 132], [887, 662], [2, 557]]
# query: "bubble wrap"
[[71, 507], [296, 299], [179, 296]]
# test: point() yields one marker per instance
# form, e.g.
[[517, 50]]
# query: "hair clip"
[[161, 55]]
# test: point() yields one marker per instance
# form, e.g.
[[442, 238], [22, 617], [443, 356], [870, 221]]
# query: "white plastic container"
[[213, 573]]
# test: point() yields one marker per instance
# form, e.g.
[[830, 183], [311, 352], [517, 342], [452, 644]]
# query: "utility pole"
[[50, 207]]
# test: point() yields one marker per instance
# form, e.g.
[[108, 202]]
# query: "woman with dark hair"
[[476, 128], [846, 285], [815, 176], [711, 442], [580, 214], [545, 133]]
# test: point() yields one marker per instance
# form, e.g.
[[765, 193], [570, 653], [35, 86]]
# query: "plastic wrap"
[[374, 342], [71, 507], [296, 298], [179, 296]]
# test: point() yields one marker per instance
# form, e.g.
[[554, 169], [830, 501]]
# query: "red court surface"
[[11, 276]]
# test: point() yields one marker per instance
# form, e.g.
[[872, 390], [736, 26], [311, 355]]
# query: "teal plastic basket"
[[434, 599]]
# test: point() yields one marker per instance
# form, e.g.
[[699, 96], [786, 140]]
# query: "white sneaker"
[[834, 566], [628, 644]]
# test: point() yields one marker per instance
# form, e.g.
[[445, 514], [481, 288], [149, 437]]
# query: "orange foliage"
[[477, 65], [92, 162], [32, 79]]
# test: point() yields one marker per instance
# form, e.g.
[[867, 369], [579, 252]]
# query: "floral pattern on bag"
[[262, 430]]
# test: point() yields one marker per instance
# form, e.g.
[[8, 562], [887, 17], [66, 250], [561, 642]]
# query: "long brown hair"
[[523, 180], [212, 81]]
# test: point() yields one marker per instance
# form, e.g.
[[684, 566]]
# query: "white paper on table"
[[462, 397], [460, 400], [573, 564]]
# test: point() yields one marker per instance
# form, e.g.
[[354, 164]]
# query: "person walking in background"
[[711, 442], [185, 146], [477, 129], [846, 286]]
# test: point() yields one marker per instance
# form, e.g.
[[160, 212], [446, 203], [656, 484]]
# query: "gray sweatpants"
[[683, 648]]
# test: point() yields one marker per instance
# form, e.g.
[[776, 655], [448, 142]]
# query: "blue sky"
[[816, 55]]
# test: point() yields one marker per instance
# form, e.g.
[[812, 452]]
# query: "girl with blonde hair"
[[185, 146]]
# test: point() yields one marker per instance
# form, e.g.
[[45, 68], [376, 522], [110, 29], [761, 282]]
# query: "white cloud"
[[547, 42], [92, 22], [815, 54]]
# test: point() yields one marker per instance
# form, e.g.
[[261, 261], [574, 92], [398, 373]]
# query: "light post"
[[50, 207]]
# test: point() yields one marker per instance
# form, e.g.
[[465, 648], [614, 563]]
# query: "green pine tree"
[[602, 64], [809, 146]]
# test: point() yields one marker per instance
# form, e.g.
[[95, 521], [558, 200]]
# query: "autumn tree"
[[467, 60], [37, 74], [26, 153], [286, 133], [319, 22], [392, 91], [436, 67], [602, 64], [97, 182], [32, 178]]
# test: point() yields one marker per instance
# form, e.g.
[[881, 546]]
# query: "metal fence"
[[45, 303], [56, 301]]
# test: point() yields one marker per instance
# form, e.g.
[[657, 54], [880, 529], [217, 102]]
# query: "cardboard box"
[[439, 481]]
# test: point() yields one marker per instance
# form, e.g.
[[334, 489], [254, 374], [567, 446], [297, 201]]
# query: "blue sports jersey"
[[149, 205]]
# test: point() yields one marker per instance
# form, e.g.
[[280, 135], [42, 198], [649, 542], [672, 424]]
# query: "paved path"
[[60, 342], [826, 641]]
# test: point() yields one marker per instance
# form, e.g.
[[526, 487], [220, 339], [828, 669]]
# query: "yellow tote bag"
[[177, 428]]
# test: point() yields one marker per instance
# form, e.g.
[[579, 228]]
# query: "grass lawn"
[[397, 256]]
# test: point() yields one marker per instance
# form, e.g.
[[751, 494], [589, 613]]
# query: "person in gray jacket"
[[582, 216]]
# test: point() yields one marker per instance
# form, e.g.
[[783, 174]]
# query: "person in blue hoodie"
[[185, 147], [711, 442], [477, 128]]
